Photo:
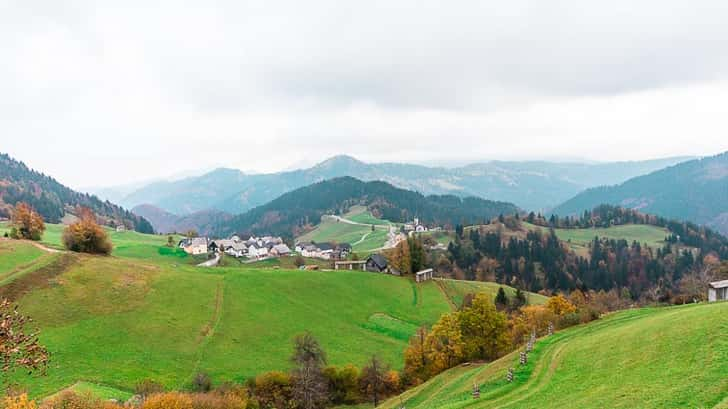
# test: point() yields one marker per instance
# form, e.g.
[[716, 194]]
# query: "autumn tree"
[[309, 386], [560, 306], [400, 258], [445, 343], [373, 380], [484, 330], [18, 347], [26, 223], [86, 236], [416, 361]]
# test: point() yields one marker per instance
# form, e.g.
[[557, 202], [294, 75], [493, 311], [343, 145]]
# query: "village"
[[252, 249]]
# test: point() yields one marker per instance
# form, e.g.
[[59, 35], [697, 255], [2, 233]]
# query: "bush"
[[169, 400], [86, 236], [273, 389], [18, 402], [201, 382], [71, 400], [148, 387], [216, 400]]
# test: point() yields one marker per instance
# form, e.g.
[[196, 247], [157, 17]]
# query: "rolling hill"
[[530, 185], [53, 200], [673, 357], [297, 211], [116, 320], [696, 191]]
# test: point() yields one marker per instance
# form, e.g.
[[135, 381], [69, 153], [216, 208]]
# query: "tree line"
[[51, 199], [540, 261]]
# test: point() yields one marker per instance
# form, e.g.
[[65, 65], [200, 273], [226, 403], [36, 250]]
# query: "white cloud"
[[144, 90]]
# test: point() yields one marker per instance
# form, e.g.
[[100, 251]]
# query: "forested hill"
[[696, 190], [298, 210], [53, 200]]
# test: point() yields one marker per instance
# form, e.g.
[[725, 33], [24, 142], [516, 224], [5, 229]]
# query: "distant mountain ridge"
[[299, 210], [52, 200], [695, 190], [203, 222], [534, 185]]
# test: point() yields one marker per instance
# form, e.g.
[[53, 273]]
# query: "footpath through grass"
[[674, 357], [116, 320]]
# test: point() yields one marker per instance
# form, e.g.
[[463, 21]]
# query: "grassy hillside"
[[141, 314], [457, 289], [579, 239], [646, 358], [360, 236]]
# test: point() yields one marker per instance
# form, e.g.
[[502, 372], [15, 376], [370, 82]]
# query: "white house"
[[195, 245], [718, 291]]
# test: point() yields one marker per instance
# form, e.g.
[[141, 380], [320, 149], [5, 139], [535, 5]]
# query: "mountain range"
[[534, 185], [696, 190], [299, 210]]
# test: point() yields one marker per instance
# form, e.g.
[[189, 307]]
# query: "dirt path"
[[208, 330], [210, 263], [44, 248]]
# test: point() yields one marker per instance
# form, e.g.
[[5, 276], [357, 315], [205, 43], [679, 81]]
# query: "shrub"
[[18, 402], [71, 400], [273, 389], [148, 387], [343, 384], [217, 400], [169, 400], [86, 236], [201, 382]]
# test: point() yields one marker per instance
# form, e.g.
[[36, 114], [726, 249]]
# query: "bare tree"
[[373, 381], [310, 388]]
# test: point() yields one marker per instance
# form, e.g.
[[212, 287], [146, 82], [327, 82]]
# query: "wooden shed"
[[718, 291]]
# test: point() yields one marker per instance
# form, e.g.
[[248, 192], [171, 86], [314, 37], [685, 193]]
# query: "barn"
[[718, 291]]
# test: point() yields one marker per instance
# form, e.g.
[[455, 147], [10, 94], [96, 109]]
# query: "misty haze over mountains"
[[531, 185]]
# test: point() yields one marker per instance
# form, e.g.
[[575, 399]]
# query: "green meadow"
[[671, 357], [361, 237], [146, 312], [457, 289], [651, 236]]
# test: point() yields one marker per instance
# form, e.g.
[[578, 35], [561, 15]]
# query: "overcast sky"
[[109, 92]]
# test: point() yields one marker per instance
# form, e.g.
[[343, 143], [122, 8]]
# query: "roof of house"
[[281, 248], [379, 260], [719, 284], [423, 272], [344, 246], [325, 246], [196, 241]]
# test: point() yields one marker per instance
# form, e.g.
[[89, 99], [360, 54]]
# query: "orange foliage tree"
[[26, 223], [86, 236]]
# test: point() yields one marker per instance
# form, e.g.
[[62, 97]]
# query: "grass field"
[[456, 291], [651, 236], [673, 357], [361, 237], [113, 321]]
